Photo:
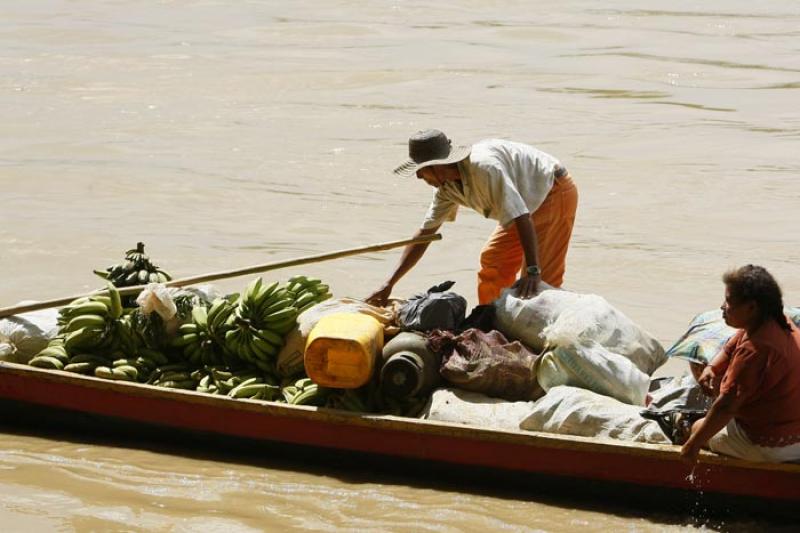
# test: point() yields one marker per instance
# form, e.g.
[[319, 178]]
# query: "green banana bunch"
[[86, 363], [136, 270], [305, 392], [129, 368], [267, 306], [121, 369], [118, 367], [88, 323], [238, 384], [130, 358], [255, 388], [371, 399], [195, 340], [263, 316], [350, 400], [54, 356], [252, 346], [150, 330], [175, 376], [207, 384], [150, 359], [126, 337], [307, 292], [220, 380], [220, 319]]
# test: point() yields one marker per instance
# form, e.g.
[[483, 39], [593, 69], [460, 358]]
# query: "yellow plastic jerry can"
[[342, 349]]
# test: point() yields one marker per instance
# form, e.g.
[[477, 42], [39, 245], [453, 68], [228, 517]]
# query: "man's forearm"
[[527, 239], [410, 256]]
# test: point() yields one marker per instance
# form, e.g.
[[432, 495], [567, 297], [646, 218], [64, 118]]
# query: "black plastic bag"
[[676, 403], [436, 309], [481, 317]]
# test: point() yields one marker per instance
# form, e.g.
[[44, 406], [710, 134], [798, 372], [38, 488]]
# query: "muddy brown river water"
[[230, 133]]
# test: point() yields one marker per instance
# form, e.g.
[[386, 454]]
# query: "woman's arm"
[[710, 377], [709, 381], [721, 412]]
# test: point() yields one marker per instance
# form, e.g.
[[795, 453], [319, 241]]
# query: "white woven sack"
[[457, 406], [593, 319], [23, 336], [572, 411], [525, 320], [593, 368]]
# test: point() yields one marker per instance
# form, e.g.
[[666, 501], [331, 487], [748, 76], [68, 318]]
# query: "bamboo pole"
[[265, 267]]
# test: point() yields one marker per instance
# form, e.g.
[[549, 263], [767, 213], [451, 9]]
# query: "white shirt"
[[501, 180]]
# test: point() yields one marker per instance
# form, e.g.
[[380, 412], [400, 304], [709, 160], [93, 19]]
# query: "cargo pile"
[[292, 342], [535, 364]]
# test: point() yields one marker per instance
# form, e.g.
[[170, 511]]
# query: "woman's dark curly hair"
[[754, 283]]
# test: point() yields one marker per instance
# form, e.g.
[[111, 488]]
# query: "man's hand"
[[527, 286], [380, 297]]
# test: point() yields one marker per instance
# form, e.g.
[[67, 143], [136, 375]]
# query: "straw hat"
[[430, 147]]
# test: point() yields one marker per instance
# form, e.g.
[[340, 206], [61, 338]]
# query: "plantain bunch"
[[176, 376], [266, 313], [356, 400], [305, 392], [97, 336], [306, 292], [136, 270], [117, 365], [150, 330], [371, 399], [88, 323], [263, 316], [201, 339], [54, 356], [136, 368], [249, 384]]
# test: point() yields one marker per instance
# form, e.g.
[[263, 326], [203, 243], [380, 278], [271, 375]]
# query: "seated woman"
[[755, 377]]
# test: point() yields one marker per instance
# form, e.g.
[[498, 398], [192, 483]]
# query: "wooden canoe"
[[463, 447]]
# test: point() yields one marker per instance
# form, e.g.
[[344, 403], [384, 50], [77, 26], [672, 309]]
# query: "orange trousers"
[[502, 257]]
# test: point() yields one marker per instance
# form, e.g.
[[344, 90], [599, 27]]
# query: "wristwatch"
[[533, 270]]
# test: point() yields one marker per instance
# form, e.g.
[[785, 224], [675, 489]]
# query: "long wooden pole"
[[193, 280]]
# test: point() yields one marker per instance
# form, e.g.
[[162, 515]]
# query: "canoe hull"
[[446, 444]]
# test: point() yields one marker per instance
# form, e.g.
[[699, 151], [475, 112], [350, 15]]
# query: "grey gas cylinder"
[[409, 367]]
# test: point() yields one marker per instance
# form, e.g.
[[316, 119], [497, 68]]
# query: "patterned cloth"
[[708, 333]]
